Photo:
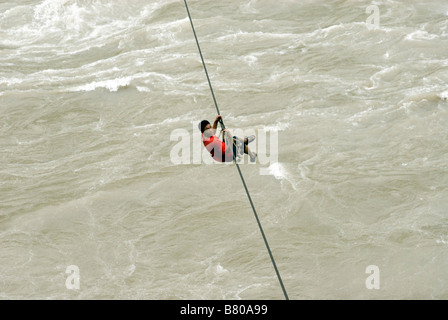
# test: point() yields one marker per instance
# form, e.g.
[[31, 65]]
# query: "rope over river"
[[106, 193]]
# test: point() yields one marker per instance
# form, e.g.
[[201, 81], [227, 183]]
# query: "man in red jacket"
[[220, 151]]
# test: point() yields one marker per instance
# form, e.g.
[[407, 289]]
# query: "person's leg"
[[249, 139], [246, 149], [253, 155]]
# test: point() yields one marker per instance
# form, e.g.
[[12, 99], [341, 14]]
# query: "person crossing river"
[[221, 151]]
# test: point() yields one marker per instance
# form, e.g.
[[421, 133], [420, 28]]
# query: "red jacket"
[[217, 149]]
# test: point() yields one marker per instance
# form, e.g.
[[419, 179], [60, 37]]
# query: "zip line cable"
[[203, 63], [234, 159]]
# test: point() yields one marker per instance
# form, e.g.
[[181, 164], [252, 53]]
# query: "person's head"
[[204, 125]]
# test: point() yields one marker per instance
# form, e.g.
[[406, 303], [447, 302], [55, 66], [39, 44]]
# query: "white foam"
[[112, 85], [279, 126], [442, 240], [304, 171], [255, 35], [220, 270], [56, 15], [277, 170], [421, 35], [443, 95], [143, 89], [187, 117], [250, 59], [11, 81]]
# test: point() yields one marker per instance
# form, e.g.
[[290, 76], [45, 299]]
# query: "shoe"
[[254, 158], [250, 139]]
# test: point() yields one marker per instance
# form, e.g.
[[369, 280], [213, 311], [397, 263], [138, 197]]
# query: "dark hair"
[[202, 125]]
